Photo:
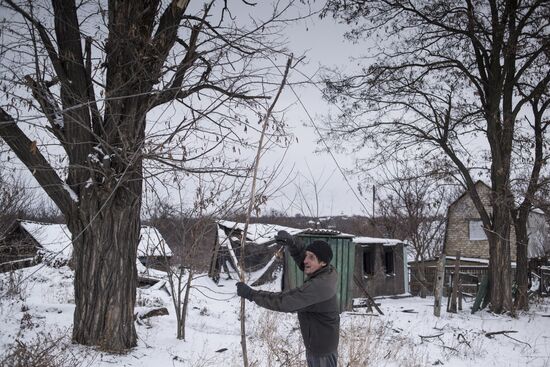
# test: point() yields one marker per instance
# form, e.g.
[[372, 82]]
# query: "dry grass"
[[368, 341], [281, 342], [365, 341], [45, 350]]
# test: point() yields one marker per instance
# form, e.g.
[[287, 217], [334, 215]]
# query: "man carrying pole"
[[314, 301]]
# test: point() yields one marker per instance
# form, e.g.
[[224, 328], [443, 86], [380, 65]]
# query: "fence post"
[[456, 281], [440, 279]]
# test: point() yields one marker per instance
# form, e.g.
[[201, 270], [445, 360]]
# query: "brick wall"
[[460, 213]]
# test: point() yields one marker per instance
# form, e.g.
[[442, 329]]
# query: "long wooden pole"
[[251, 206]]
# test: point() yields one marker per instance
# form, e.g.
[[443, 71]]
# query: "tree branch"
[[52, 53], [51, 110], [97, 121], [168, 95], [167, 31], [26, 151]]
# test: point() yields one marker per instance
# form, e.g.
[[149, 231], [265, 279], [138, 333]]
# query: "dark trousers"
[[328, 360]]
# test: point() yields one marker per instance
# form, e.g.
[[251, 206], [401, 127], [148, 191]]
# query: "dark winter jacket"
[[317, 307]]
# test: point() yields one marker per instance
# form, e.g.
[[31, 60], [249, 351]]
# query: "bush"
[[43, 351]]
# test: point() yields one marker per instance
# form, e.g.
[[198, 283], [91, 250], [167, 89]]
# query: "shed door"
[[343, 260]]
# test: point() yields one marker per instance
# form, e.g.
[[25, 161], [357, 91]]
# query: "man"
[[315, 301]]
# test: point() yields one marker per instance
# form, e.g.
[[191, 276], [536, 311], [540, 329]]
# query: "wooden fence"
[[470, 275]]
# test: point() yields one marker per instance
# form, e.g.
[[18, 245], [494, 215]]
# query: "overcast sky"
[[322, 41]]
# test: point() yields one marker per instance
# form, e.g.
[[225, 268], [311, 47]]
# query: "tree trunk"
[[184, 307], [105, 247], [500, 270], [521, 302]]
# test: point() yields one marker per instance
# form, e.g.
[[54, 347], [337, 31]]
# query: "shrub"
[[42, 351]]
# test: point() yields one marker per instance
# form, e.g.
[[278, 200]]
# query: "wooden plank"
[[339, 266], [362, 287], [482, 292], [337, 260]]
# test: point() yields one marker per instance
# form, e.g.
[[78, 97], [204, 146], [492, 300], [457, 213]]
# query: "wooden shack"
[[380, 267]]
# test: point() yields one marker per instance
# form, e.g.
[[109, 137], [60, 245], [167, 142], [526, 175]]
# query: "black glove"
[[244, 291], [284, 238]]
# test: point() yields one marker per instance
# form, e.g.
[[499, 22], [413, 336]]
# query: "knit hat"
[[321, 249]]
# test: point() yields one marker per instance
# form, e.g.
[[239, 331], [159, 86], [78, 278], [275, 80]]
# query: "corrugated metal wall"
[[343, 260]]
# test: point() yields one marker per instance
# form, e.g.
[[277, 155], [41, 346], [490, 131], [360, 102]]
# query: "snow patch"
[[72, 194], [374, 240]]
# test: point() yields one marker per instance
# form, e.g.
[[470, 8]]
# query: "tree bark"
[[500, 270], [520, 214], [455, 286], [521, 301], [105, 237]]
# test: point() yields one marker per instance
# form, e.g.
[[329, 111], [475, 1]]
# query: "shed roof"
[[56, 238], [374, 240], [261, 233], [151, 243]]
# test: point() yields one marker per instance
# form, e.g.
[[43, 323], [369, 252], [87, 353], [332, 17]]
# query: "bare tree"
[[180, 275], [442, 83], [533, 161], [412, 207], [192, 230], [118, 93]]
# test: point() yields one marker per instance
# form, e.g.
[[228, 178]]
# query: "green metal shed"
[[343, 260]]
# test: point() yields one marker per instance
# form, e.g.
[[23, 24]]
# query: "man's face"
[[311, 263]]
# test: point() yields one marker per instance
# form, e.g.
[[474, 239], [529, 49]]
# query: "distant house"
[[26, 243], [465, 233], [377, 264]]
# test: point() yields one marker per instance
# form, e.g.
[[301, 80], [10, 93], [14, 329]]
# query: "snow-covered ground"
[[406, 335]]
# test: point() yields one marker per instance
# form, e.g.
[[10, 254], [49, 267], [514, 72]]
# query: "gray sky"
[[324, 45]]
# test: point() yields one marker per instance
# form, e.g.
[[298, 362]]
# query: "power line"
[[329, 150]]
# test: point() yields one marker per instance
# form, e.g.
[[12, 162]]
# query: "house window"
[[476, 230], [368, 262], [389, 262]]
